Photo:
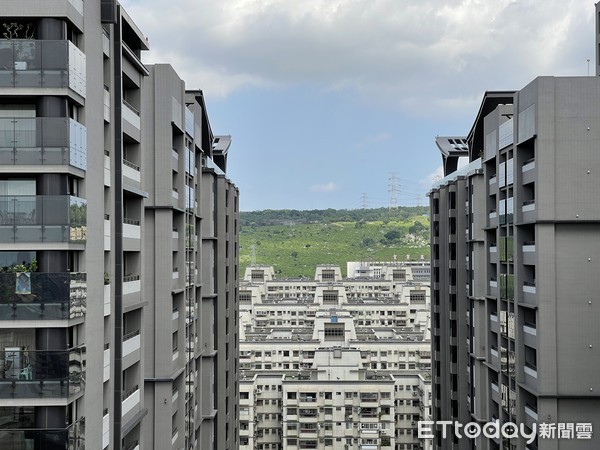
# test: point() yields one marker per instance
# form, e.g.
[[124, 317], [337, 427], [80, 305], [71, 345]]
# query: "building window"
[[257, 275], [399, 275], [334, 331], [330, 297], [417, 297], [328, 275]]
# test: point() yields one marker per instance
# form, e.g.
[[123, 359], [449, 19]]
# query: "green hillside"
[[294, 247]]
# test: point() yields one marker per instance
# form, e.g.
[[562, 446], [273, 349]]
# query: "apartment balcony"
[[493, 251], [174, 436], [131, 121], [175, 235], [49, 141], [47, 374], [307, 399], [28, 63], [106, 103], [132, 235], [531, 374], [106, 366], [131, 403], [493, 218], [106, 300], [493, 288], [132, 171], [131, 343], [106, 168], [369, 398], [530, 334], [69, 438], [531, 416], [105, 429], [132, 290], [494, 356], [528, 211], [529, 172], [495, 392], [529, 293], [42, 296], [175, 160], [42, 218], [107, 233], [529, 253], [494, 325]]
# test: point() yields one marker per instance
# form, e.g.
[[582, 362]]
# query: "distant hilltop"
[[294, 242], [293, 216]]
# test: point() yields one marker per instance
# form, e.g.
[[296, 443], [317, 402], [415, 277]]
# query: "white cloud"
[[431, 178], [327, 187], [421, 55]]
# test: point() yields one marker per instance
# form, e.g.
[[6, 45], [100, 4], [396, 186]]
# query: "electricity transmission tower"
[[364, 204], [393, 190]]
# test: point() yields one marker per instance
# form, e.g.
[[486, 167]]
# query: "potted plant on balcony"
[[24, 52], [22, 283]]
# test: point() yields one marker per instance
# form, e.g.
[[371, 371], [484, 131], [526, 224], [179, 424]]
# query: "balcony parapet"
[[43, 296], [42, 218], [43, 141], [29, 63], [41, 373]]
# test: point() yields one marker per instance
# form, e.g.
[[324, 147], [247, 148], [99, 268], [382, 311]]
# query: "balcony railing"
[[27, 63], [41, 373], [42, 296], [70, 438], [42, 218], [43, 141]]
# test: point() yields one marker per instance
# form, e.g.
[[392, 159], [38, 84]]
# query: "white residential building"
[[333, 363]]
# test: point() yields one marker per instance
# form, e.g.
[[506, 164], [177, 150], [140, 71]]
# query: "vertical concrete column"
[[51, 29]]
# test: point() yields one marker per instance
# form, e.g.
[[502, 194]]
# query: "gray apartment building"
[[118, 242], [515, 237]]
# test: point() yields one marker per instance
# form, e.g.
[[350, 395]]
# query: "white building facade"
[[333, 363]]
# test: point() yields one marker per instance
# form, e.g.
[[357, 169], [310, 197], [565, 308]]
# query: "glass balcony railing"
[[41, 373], [28, 63], [42, 218], [43, 141], [70, 438], [42, 296]]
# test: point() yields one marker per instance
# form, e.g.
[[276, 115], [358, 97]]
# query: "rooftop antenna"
[[253, 255]]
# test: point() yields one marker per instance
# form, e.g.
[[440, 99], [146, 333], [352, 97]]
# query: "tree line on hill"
[[293, 216]]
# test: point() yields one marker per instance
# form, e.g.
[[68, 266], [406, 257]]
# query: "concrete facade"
[[118, 242], [514, 236], [313, 352]]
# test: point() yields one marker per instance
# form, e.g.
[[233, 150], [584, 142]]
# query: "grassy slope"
[[334, 243]]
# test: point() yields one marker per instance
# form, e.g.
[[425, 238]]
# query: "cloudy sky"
[[328, 101]]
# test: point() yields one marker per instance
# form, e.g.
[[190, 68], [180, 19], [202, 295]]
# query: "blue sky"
[[326, 100]]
